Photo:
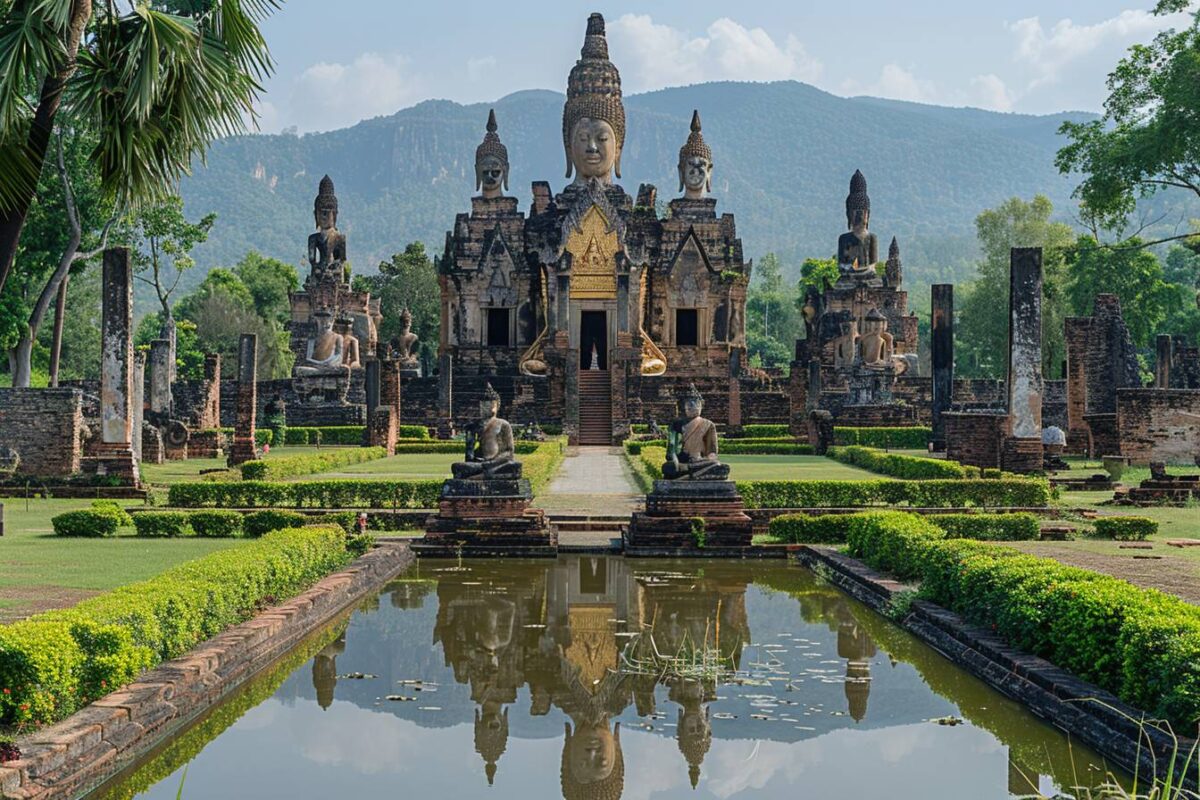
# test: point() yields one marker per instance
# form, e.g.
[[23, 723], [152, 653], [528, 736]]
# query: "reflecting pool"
[[598, 677]]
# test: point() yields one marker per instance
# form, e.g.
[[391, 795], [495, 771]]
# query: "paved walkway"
[[592, 481]]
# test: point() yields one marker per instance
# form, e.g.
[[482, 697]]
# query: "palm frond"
[[32, 45]]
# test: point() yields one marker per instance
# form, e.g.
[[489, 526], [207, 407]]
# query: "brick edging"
[[1052, 693], [77, 754]]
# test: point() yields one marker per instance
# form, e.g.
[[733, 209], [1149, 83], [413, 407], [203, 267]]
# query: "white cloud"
[[481, 68], [332, 95], [652, 55], [1048, 50], [992, 93], [896, 83]]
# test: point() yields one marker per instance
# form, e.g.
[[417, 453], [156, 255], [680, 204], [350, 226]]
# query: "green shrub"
[[912, 438], [413, 432], [759, 447], [987, 527], [901, 466], [217, 524], [807, 529], [114, 508], [54, 663], [765, 431], [259, 523], [292, 466], [91, 523], [1022, 492], [162, 523], [1126, 529], [346, 520], [1140, 644]]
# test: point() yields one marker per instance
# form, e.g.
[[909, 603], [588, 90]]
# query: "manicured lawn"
[[190, 469], [793, 468], [405, 466], [42, 571]]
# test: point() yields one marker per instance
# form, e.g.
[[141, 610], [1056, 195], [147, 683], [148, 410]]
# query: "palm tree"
[[158, 80]]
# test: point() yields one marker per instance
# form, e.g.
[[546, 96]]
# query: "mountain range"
[[783, 152]]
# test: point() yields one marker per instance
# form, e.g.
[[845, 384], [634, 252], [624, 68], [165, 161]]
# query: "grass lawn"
[[792, 468], [42, 571], [190, 469], [406, 466]]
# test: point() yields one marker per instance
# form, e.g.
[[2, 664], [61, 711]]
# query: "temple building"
[[590, 308]]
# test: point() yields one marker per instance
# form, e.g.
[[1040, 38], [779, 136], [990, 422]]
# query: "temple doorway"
[[593, 332]]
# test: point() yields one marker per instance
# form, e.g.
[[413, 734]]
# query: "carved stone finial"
[[594, 94], [691, 393], [491, 161], [490, 393], [326, 198], [894, 250], [695, 162], [893, 271]]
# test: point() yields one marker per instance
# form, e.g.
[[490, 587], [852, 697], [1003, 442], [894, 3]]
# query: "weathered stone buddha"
[[326, 247], [593, 766], [594, 117], [404, 346], [695, 163], [350, 347], [858, 249], [692, 444], [845, 347], [325, 353], [875, 343], [490, 450], [491, 162]]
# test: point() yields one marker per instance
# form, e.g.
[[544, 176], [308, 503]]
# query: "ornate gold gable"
[[593, 248]]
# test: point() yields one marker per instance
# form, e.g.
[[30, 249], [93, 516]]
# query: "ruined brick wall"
[[419, 400], [43, 427], [876, 416], [975, 393], [917, 393], [1054, 404], [1159, 425], [975, 439]]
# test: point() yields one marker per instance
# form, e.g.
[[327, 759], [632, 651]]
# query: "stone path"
[[593, 482]]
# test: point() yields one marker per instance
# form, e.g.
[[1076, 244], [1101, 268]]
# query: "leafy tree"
[[817, 273], [407, 281], [772, 318], [1132, 273], [269, 281], [1148, 138], [982, 330], [157, 88], [1182, 266], [161, 241]]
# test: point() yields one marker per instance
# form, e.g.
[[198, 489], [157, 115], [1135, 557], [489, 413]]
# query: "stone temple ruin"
[[589, 310]]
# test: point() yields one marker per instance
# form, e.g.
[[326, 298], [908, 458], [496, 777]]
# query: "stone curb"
[[74, 756], [1054, 694]]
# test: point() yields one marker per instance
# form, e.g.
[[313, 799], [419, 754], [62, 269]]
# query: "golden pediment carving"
[[593, 248]]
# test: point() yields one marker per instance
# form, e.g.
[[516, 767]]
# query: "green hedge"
[[1126, 529], [914, 438], [832, 528], [760, 447], [346, 434], [54, 663], [115, 509], [261, 435], [93, 523], [765, 431], [291, 466], [900, 466], [306, 494], [259, 523], [169, 524], [457, 447], [1140, 644], [217, 524]]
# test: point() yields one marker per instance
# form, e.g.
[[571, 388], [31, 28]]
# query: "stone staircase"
[[589, 533], [595, 407]]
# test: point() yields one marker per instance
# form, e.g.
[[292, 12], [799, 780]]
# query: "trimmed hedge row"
[[456, 447], [346, 434], [291, 466], [1126, 529], [765, 432], [832, 528], [215, 524], [912, 438], [1140, 644], [306, 494], [901, 466], [758, 447], [54, 663], [941, 493], [85, 522]]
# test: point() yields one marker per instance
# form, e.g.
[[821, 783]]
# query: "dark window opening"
[[498, 326], [593, 333], [687, 328]]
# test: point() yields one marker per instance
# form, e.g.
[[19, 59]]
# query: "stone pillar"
[[210, 415], [390, 392], [243, 448], [734, 423], [820, 430], [445, 425], [1023, 449], [371, 387], [814, 384], [115, 451], [160, 380], [942, 359], [139, 402], [1164, 351], [1077, 333]]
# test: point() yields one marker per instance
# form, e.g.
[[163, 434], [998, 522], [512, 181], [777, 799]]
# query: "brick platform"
[[487, 518], [695, 518]]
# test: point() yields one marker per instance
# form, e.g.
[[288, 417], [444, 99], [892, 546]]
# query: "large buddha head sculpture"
[[325, 206], [491, 162], [695, 163], [594, 116], [858, 204]]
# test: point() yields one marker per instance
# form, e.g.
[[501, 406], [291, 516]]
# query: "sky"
[[341, 62]]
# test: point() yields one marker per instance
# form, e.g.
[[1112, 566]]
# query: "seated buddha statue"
[[858, 248], [350, 347], [326, 247], [875, 343], [692, 444], [325, 353], [404, 345], [490, 450]]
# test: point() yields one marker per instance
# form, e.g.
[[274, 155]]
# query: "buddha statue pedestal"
[[489, 517], [690, 517]]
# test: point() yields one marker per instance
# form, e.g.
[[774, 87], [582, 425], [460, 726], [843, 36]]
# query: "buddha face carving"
[[492, 176], [695, 177], [593, 150], [488, 408], [592, 752], [692, 407], [326, 218], [858, 219]]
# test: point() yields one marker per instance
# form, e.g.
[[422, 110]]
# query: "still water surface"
[[596, 677]]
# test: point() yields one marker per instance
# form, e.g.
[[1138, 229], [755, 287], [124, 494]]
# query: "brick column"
[[160, 380], [942, 359], [1163, 353], [445, 424], [1023, 450], [139, 402], [1077, 331], [115, 451], [243, 448], [371, 388]]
